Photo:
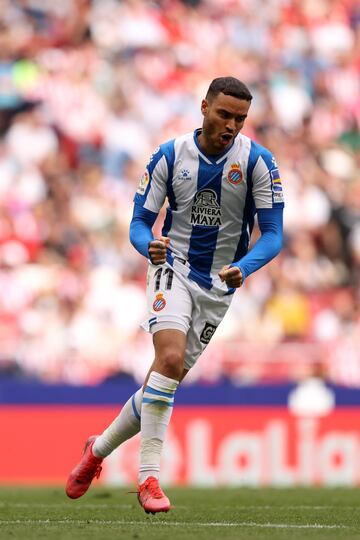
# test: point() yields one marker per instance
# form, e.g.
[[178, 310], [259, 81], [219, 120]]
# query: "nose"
[[230, 125]]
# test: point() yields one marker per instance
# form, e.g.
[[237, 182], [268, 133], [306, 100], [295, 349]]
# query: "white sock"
[[156, 409], [125, 426]]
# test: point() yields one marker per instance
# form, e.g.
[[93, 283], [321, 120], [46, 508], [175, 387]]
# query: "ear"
[[204, 107]]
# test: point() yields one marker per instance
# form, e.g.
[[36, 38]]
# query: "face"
[[224, 117]]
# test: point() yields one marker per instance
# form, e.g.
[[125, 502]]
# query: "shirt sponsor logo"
[[207, 333], [144, 180], [206, 210], [235, 175], [159, 302]]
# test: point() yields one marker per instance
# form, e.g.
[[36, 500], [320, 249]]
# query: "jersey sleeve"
[[150, 196], [266, 183], [152, 188], [141, 229], [268, 245]]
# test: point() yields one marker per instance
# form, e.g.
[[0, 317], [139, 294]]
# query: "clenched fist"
[[231, 275], [157, 250]]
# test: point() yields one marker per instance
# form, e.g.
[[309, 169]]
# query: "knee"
[[172, 362]]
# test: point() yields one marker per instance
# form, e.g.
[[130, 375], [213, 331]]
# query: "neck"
[[205, 146]]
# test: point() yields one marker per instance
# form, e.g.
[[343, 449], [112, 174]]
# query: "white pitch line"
[[64, 505], [169, 523], [70, 504]]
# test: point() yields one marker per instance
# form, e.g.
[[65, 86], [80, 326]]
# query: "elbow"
[[135, 235], [135, 232], [278, 243]]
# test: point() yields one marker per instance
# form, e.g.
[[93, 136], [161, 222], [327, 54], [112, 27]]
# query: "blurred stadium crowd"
[[88, 89]]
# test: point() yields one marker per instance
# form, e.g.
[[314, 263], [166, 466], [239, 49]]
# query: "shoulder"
[[167, 146], [258, 151], [164, 151], [176, 146]]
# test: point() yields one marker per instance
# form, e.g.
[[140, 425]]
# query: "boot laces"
[[153, 486], [90, 471]]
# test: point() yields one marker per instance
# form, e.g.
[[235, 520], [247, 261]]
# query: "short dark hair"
[[230, 87]]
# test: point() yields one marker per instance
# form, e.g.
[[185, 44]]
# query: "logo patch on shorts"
[[159, 302], [207, 333]]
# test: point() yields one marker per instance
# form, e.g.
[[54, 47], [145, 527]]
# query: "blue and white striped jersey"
[[212, 201]]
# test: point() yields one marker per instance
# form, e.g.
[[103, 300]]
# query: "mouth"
[[226, 138]]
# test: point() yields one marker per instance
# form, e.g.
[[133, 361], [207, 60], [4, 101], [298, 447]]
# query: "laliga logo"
[[143, 182], [235, 175]]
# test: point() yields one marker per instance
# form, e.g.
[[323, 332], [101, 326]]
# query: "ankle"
[[143, 476]]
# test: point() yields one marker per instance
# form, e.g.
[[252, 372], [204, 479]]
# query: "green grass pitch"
[[201, 514]]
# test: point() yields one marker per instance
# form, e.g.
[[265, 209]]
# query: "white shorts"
[[176, 302]]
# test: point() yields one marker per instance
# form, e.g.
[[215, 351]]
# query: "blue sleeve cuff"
[[141, 229]]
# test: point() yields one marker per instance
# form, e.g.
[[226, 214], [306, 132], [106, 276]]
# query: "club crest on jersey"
[[235, 174], [144, 180], [206, 210], [159, 302]]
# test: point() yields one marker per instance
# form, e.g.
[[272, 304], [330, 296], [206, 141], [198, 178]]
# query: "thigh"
[[209, 310], [168, 299]]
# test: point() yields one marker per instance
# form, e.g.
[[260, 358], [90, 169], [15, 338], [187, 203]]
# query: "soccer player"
[[215, 181]]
